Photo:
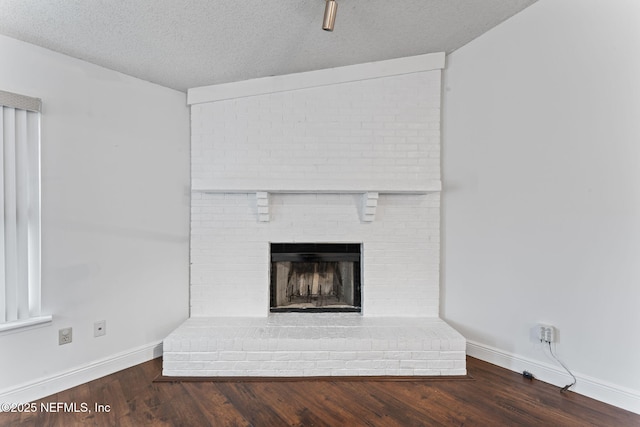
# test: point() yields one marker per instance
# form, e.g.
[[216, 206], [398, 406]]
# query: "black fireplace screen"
[[313, 277]]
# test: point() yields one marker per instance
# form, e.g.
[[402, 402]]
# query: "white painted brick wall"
[[371, 134], [230, 249], [366, 135]]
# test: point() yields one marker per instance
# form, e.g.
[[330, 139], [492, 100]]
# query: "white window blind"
[[20, 213]]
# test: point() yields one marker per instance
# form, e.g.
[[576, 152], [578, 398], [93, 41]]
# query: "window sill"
[[25, 323]]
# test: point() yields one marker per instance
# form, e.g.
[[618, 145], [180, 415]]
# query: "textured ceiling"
[[190, 43]]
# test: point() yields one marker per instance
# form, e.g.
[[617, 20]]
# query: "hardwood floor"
[[493, 397]]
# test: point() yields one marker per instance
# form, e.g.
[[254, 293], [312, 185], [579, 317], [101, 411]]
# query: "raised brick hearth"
[[319, 344]]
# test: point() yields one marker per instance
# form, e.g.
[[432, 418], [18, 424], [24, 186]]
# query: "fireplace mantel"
[[427, 187], [369, 197]]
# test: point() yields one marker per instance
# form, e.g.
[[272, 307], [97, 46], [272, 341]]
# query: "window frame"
[[22, 166]]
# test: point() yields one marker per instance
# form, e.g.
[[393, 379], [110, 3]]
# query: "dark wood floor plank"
[[142, 410], [251, 405], [367, 408], [323, 403], [494, 396], [331, 404], [180, 406], [430, 405], [398, 409], [289, 405], [215, 405]]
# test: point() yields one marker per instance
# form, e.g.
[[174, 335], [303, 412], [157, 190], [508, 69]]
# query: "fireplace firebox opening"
[[315, 277]]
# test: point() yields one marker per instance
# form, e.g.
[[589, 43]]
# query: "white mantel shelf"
[[369, 197], [428, 187]]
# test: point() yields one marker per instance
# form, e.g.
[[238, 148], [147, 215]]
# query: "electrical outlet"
[[546, 333], [65, 336], [100, 328]]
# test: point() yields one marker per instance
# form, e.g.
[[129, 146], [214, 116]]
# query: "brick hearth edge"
[[300, 345]]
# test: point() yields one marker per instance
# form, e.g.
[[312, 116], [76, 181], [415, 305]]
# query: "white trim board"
[[594, 388], [82, 374], [431, 186], [22, 324], [309, 79]]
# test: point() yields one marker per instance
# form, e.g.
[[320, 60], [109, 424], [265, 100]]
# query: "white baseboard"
[[50, 385], [591, 387]]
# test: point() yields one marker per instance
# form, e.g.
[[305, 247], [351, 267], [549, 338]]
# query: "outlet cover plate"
[[65, 336], [100, 328]]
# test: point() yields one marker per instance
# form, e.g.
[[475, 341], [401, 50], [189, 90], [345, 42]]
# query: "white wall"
[[115, 215], [541, 167]]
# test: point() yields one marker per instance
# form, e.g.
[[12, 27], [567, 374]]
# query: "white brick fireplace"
[[347, 155]]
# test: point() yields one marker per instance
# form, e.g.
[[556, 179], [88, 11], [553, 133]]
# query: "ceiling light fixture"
[[329, 20]]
